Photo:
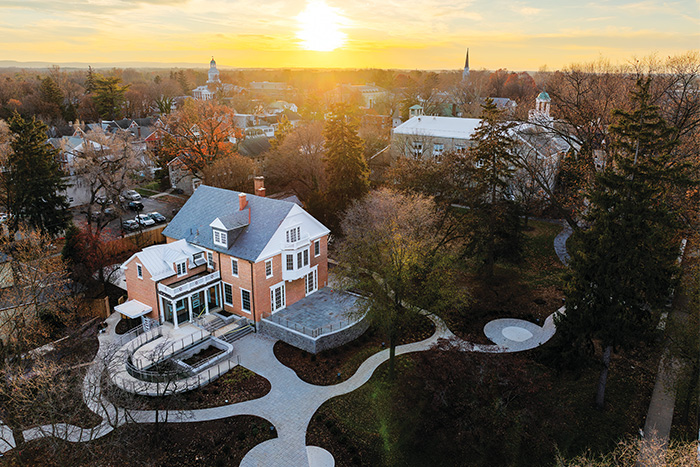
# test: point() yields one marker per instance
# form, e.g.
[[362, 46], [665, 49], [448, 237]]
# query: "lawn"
[[449, 408], [530, 290], [149, 189]]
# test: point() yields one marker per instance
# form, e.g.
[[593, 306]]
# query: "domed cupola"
[[213, 72]]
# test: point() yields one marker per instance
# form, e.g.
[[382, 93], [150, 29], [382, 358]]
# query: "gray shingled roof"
[[207, 203]]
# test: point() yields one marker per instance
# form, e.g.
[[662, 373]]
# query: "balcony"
[[189, 284], [296, 273]]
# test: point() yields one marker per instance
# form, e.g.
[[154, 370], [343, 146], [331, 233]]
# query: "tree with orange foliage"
[[199, 133]]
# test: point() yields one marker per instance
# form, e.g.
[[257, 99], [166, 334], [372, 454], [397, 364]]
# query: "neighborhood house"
[[231, 253]]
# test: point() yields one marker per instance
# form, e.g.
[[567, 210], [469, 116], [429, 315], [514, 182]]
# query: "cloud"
[[529, 11]]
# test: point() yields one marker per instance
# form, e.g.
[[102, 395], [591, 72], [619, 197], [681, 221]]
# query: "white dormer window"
[[294, 235], [139, 271], [181, 268], [220, 238]]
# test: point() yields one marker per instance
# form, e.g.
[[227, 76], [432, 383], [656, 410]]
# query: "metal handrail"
[[312, 332]]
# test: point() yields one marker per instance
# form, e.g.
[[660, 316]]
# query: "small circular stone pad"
[[319, 457], [516, 334]]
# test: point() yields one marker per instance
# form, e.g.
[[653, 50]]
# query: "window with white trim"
[[220, 238], [181, 268], [294, 235], [306, 257], [438, 149], [277, 298], [317, 247], [417, 147], [210, 259], [139, 271], [311, 281], [228, 294], [290, 262], [234, 267], [268, 268], [245, 300], [300, 259]]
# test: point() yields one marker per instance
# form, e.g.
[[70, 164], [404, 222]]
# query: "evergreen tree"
[[109, 96], [52, 99], [346, 167], [90, 81], [33, 179], [496, 226], [625, 265]]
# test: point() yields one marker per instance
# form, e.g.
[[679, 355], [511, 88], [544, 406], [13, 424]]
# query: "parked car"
[[108, 214], [144, 219], [157, 217], [135, 206], [132, 195], [129, 224]]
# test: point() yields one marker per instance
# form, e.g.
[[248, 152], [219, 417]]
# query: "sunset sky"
[[426, 34]]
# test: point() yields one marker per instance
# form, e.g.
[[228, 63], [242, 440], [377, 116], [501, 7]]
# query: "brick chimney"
[[259, 185], [242, 201]]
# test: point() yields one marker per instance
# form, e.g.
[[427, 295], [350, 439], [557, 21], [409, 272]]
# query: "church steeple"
[[465, 72]]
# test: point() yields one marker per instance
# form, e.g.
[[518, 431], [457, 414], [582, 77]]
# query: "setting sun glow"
[[319, 27]]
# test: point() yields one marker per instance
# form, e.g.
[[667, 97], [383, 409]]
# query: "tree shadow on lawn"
[[448, 407]]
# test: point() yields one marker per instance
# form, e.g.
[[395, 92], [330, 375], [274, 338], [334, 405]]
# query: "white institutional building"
[[206, 92]]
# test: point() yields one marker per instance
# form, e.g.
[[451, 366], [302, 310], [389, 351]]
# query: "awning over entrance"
[[133, 309]]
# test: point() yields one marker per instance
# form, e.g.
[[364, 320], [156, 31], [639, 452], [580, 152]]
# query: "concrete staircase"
[[213, 324], [237, 333]]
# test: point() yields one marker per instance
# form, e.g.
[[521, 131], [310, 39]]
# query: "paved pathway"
[[291, 402]]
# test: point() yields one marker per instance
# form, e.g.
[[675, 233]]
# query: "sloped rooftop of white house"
[[439, 127], [159, 259]]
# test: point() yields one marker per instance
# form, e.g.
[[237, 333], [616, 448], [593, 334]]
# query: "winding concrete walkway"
[[291, 402]]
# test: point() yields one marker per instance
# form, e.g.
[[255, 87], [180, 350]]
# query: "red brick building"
[[228, 253]]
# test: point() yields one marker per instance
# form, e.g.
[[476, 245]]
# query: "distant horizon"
[[146, 65]]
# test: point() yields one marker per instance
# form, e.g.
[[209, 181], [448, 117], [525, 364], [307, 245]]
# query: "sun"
[[319, 26]]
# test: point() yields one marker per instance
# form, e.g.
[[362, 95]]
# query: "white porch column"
[[189, 305], [177, 324]]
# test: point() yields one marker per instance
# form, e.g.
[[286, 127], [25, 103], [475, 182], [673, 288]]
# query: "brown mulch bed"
[[237, 385], [214, 443], [336, 365], [203, 355]]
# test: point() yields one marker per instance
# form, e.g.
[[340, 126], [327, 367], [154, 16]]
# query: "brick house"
[[229, 253]]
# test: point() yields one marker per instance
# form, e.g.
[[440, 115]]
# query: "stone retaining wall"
[[311, 344]]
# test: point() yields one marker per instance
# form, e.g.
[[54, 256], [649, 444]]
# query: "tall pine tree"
[[625, 265], [495, 224], [33, 179], [346, 167]]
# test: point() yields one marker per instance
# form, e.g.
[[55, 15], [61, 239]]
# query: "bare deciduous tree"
[[297, 163]]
